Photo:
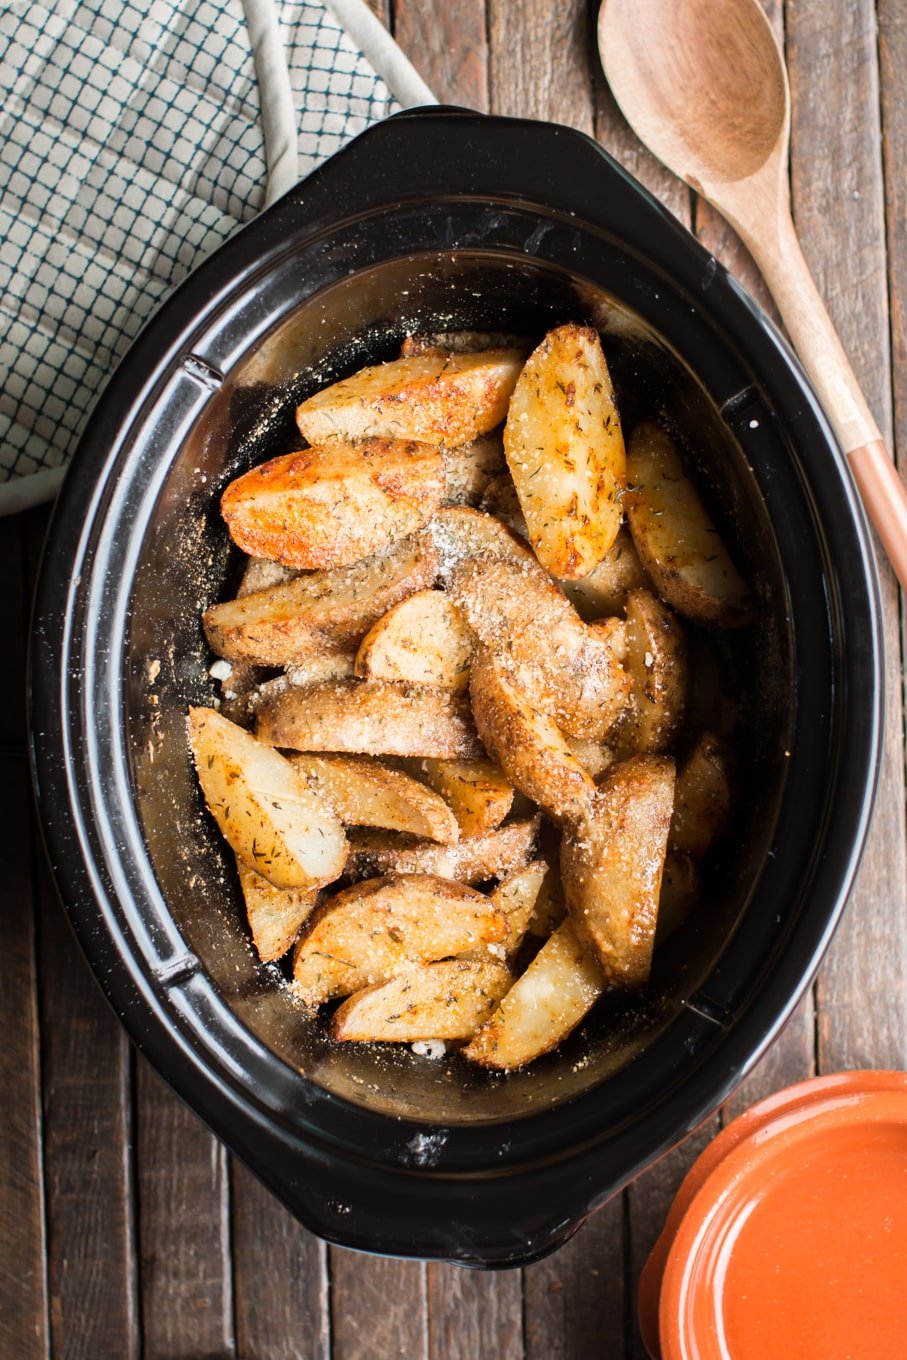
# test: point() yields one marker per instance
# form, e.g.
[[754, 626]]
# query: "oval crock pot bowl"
[[444, 219]]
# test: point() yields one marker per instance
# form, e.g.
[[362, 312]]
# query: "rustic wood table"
[[126, 1230]]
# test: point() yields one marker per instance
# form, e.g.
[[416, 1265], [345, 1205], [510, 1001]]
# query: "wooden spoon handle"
[[816, 341]]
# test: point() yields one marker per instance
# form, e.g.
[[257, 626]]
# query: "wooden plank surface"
[[126, 1230]]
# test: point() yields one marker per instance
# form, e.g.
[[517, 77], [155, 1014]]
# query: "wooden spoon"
[[704, 85]]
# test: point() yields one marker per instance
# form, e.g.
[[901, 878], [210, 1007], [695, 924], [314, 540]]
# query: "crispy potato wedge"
[[459, 533], [565, 451], [438, 398], [595, 757], [528, 745], [604, 591], [242, 706], [550, 907], [370, 717], [461, 342], [275, 915], [565, 668], [702, 798], [611, 865], [500, 499], [374, 930], [658, 663], [444, 1000], [469, 468], [555, 993], [680, 893], [515, 898], [677, 542], [364, 792], [333, 505], [268, 815], [288, 624], [260, 573], [423, 640], [475, 859], [477, 791]]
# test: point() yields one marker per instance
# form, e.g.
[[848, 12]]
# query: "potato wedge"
[[477, 791], [659, 668], [473, 859], [260, 573], [444, 1000], [333, 505], [604, 591], [611, 865], [371, 932], [702, 798], [565, 451], [515, 898], [370, 717], [364, 792], [268, 815], [275, 915], [288, 624], [500, 499], [595, 757], [438, 398], [423, 640], [680, 893], [469, 468], [461, 342], [677, 542], [555, 993], [242, 706], [550, 907], [527, 744], [459, 533], [565, 668]]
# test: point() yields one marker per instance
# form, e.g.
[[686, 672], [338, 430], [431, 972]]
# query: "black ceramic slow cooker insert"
[[440, 220]]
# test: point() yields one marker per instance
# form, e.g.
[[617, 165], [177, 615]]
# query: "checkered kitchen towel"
[[136, 136]]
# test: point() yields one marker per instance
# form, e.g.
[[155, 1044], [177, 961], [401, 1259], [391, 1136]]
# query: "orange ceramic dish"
[[788, 1238]]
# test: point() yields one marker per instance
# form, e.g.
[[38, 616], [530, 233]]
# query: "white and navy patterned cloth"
[[131, 147]]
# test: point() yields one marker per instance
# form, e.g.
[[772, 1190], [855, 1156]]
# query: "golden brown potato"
[[595, 757], [528, 745], [680, 893], [478, 793], [565, 451], [323, 611], [260, 573], [444, 1000], [423, 640], [276, 915], [702, 799], [469, 468], [364, 792], [268, 815], [611, 864], [659, 669], [333, 505], [474, 859], [555, 993], [374, 930], [564, 668], [550, 907], [500, 499], [370, 717], [459, 533], [515, 898], [677, 542], [604, 591], [242, 705], [461, 342], [436, 398]]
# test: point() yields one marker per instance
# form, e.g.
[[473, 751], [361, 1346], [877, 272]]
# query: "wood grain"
[[471, 1313], [448, 45], [184, 1229], [23, 1294], [838, 205], [540, 60], [575, 1301], [280, 1278], [378, 1308]]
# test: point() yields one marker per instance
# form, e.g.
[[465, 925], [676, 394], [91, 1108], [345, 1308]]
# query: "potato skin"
[[658, 662], [612, 862], [448, 999], [435, 398], [677, 542], [332, 505], [702, 799], [474, 859], [565, 451]]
